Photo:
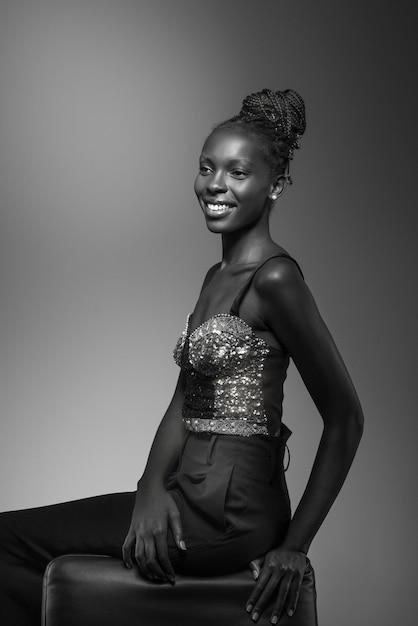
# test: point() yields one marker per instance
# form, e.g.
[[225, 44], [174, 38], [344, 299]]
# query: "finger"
[[262, 581], [281, 598], [140, 558], [264, 597], [151, 559], [255, 570], [163, 558], [127, 550], [176, 527], [293, 595], [255, 567]]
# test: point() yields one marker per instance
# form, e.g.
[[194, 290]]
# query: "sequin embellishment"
[[224, 362]]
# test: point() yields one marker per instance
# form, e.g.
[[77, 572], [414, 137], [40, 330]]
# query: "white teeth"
[[218, 207]]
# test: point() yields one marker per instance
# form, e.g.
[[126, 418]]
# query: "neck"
[[247, 245]]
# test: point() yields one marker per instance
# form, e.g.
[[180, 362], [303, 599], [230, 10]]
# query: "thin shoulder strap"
[[239, 298]]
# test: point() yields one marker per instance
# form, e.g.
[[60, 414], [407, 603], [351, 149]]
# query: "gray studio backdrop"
[[103, 109]]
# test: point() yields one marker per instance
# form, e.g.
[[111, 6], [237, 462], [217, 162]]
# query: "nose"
[[217, 183]]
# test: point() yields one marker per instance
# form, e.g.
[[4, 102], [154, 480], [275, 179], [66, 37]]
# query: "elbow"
[[360, 423], [353, 432], [357, 421], [346, 425], [353, 428]]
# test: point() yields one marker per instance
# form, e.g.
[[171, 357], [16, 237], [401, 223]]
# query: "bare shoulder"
[[282, 293], [278, 274]]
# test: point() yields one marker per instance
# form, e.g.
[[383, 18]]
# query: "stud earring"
[[274, 196]]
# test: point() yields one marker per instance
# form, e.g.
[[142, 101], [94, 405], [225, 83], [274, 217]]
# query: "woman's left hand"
[[279, 572]]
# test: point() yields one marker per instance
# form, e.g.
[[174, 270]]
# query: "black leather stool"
[[89, 590]]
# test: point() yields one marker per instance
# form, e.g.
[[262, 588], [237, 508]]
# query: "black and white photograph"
[[208, 305]]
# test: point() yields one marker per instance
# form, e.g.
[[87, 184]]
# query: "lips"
[[218, 209]]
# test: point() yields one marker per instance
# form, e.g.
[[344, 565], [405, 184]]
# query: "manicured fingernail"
[[255, 617], [183, 545], [290, 612], [249, 608], [255, 574], [128, 565], [274, 619]]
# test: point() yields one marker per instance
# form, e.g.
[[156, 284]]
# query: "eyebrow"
[[203, 157]]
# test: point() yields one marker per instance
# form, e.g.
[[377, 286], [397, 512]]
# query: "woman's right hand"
[[154, 513]]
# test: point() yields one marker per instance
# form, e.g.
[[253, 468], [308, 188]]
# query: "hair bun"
[[284, 110]]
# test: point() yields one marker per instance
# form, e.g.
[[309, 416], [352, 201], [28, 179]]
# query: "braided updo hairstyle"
[[277, 119]]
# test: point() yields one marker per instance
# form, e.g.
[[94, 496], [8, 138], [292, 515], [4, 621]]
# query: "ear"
[[277, 187]]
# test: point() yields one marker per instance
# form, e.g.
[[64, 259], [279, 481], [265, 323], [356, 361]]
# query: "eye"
[[204, 169], [239, 173]]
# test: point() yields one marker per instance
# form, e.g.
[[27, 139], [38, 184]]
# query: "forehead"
[[233, 144]]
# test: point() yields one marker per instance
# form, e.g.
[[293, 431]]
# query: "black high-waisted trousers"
[[233, 504]]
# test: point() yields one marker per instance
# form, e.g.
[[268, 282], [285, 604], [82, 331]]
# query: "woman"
[[213, 498]]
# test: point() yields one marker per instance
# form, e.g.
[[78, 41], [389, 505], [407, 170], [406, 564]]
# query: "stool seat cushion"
[[90, 590]]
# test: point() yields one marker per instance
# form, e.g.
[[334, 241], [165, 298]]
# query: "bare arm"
[[155, 512], [291, 313], [294, 318], [167, 442]]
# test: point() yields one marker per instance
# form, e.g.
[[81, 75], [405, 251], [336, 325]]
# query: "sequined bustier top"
[[234, 382]]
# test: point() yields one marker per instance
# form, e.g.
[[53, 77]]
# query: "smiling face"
[[234, 181]]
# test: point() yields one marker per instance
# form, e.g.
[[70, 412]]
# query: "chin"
[[215, 228]]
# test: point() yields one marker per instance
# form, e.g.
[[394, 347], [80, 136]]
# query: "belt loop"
[[211, 446], [274, 454], [286, 467]]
